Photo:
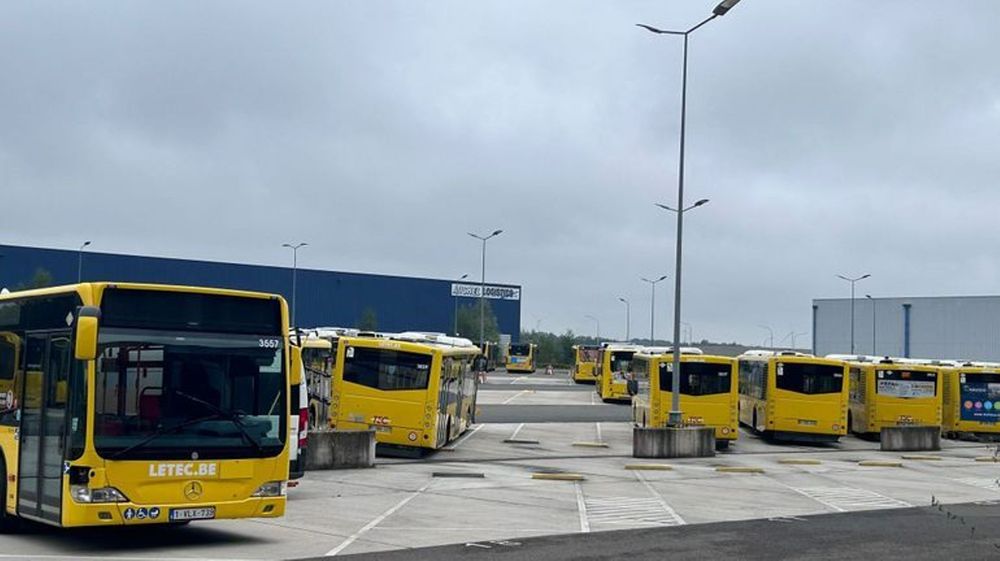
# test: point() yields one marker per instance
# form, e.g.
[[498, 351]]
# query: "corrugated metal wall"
[[324, 297], [961, 327]]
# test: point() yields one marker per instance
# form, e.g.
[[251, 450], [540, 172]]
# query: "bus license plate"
[[380, 428], [206, 513], [807, 422]]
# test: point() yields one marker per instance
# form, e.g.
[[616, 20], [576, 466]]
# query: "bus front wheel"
[[721, 445]]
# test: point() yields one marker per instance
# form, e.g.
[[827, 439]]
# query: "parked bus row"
[[796, 396]]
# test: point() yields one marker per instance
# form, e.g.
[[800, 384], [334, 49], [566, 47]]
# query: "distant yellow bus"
[[614, 371], [972, 401], [318, 356], [414, 390], [585, 363], [521, 357], [892, 393], [709, 393], [794, 396], [153, 404]]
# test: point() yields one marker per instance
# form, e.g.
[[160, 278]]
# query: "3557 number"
[[269, 343]]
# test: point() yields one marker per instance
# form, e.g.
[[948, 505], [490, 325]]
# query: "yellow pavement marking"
[[799, 461], [880, 463], [591, 444], [921, 457], [739, 469], [558, 476], [649, 467], [988, 459]]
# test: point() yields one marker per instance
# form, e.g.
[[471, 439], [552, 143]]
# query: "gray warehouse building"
[[945, 327]]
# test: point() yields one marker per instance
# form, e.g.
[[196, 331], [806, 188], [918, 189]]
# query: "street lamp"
[[874, 348], [598, 322], [652, 307], [628, 318], [482, 286], [295, 270], [721, 9], [771, 331], [455, 297], [690, 331], [853, 281], [79, 261]]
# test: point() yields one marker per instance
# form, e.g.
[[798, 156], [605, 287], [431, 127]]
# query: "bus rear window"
[[520, 350], [386, 369], [698, 378], [904, 383], [809, 378]]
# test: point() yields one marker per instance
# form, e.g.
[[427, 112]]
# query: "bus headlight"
[[84, 494], [272, 489]]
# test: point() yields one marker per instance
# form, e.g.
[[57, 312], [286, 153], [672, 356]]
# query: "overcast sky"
[[832, 136]]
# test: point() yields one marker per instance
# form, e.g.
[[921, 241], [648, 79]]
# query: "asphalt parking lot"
[[533, 468]]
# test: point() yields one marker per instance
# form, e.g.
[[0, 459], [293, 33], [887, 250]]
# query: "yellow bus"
[[521, 357], [614, 370], [585, 363], [414, 390], [491, 356], [318, 356], [793, 396], [972, 401], [886, 392], [709, 392], [175, 407]]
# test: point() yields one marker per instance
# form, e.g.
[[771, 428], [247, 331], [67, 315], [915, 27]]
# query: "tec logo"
[[151, 513]]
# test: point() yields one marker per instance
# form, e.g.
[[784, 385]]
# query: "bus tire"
[[8, 523], [754, 425], [721, 445], [850, 422]]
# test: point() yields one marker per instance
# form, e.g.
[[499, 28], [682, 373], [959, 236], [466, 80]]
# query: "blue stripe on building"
[[325, 298]]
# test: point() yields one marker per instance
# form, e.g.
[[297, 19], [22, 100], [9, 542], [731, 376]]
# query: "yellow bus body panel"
[[717, 410], [792, 412], [952, 421]]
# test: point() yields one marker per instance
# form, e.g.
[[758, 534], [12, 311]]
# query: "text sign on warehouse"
[[493, 292]]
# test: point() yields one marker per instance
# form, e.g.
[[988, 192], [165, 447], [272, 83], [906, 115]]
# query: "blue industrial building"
[[325, 298]]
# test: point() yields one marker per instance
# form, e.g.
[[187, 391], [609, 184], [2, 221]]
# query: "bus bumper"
[[129, 514]]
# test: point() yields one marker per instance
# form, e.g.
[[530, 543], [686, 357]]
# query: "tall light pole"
[[598, 322], [652, 307], [853, 281], [690, 331], [295, 271], [455, 297], [628, 318], [79, 261], [482, 286], [675, 419], [771, 331], [874, 348]]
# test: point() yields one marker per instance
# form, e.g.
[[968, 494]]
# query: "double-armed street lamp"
[[482, 285], [675, 418], [853, 281], [455, 297], [295, 271], [79, 261], [628, 317], [598, 322]]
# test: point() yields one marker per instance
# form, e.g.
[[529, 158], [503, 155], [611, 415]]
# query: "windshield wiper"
[[232, 416], [162, 431]]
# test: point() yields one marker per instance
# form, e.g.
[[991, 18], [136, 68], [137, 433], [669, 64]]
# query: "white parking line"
[[376, 521], [581, 507], [843, 499], [463, 438], [518, 379], [598, 424], [663, 503], [513, 397], [517, 430]]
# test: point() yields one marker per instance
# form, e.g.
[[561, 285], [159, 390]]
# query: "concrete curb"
[[739, 469], [649, 467], [922, 458], [558, 476], [880, 463], [591, 444], [799, 461]]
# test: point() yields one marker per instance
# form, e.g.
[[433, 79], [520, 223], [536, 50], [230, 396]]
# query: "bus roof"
[[760, 353]]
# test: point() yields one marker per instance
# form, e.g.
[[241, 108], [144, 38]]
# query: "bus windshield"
[[904, 383], [809, 378], [621, 361], [386, 369], [520, 350], [698, 378], [588, 354], [167, 395]]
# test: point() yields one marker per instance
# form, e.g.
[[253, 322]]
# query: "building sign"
[[492, 292], [980, 401]]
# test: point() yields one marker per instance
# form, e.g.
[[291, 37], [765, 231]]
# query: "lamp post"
[[79, 261], [628, 318], [652, 307], [482, 286], [721, 9], [690, 331], [598, 322], [295, 271], [455, 297], [874, 348], [771, 337], [853, 281]]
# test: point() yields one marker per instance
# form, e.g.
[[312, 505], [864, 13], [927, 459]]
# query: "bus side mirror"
[[87, 321]]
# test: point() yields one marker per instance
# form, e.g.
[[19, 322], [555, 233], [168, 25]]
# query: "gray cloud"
[[832, 137]]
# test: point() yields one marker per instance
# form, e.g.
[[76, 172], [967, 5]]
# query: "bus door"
[[48, 359]]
